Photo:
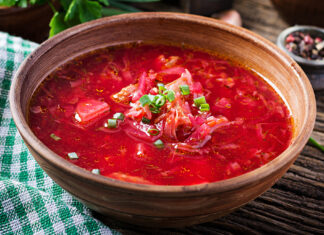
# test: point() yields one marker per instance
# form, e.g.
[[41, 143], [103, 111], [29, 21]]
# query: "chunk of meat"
[[161, 62], [124, 95], [175, 114], [89, 110], [178, 112], [134, 92], [145, 83], [185, 79], [137, 112]]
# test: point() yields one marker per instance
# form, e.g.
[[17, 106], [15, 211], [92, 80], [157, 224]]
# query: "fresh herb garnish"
[[199, 101], [153, 132], [96, 171], [204, 107], [184, 89], [55, 137], [154, 108], [159, 100], [146, 99], [119, 116], [112, 123], [169, 95], [159, 144], [146, 120], [316, 144], [73, 156], [161, 87], [155, 102]]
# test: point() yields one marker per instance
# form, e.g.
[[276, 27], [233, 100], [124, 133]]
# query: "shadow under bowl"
[[158, 205]]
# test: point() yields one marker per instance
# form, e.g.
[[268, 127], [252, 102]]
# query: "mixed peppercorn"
[[305, 46]]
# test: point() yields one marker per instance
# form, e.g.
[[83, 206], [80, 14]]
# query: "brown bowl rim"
[[166, 190]]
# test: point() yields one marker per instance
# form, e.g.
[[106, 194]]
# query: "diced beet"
[[88, 110], [308, 39], [196, 88]]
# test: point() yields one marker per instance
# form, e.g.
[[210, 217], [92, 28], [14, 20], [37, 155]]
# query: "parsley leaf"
[[74, 12], [104, 2], [65, 4], [57, 24], [8, 3], [89, 10]]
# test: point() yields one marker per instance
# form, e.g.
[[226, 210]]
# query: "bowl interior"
[[236, 43]]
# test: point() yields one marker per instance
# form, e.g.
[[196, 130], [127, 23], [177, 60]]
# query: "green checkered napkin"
[[30, 201]]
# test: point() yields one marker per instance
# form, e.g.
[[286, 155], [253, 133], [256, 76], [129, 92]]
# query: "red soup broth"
[[157, 114]]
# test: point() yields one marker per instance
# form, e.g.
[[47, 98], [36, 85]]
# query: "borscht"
[[160, 114]]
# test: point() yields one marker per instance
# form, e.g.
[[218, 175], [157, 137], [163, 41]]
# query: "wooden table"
[[295, 204]]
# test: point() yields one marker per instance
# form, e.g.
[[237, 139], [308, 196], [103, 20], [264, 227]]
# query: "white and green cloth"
[[30, 201]]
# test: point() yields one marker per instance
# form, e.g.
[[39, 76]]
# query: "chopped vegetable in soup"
[[157, 114]]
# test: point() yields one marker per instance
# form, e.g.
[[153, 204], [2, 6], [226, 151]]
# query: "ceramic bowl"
[[153, 205], [314, 69]]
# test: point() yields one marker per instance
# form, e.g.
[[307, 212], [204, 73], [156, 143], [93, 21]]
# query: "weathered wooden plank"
[[310, 163], [313, 152], [310, 209], [308, 174], [318, 136], [260, 17], [320, 116]]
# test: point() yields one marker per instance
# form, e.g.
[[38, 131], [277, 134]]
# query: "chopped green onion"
[[146, 120], [73, 156], [119, 116], [184, 89], [146, 99], [154, 109], [316, 144], [55, 137], [159, 144], [204, 107], [112, 123], [161, 87], [170, 95], [96, 171], [153, 132], [199, 101], [159, 100]]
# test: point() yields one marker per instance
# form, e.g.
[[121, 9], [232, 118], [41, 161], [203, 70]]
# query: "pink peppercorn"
[[290, 38], [308, 39]]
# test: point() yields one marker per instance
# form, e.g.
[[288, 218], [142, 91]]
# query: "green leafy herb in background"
[[316, 144], [73, 12]]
